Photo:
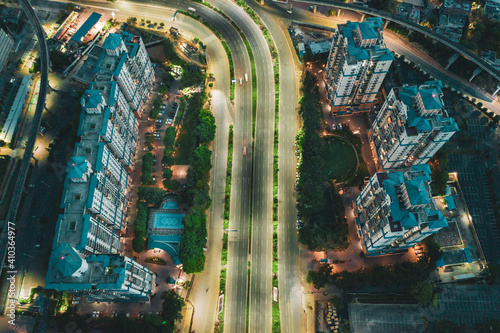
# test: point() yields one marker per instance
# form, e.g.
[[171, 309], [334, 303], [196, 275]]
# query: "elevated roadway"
[[412, 26], [35, 125]]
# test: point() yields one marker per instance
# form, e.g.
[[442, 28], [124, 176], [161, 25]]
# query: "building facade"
[[98, 183], [356, 67], [6, 45], [453, 16], [122, 59], [411, 126], [396, 210]]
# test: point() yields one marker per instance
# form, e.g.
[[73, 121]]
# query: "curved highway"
[[37, 118], [291, 312], [260, 288], [413, 26]]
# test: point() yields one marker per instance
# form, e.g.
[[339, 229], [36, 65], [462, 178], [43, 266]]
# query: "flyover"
[[30, 144], [409, 25]]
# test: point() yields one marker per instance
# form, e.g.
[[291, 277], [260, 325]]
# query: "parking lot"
[[460, 304], [385, 318], [464, 304], [477, 191]]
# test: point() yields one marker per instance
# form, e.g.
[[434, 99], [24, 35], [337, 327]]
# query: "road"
[[395, 43], [290, 300], [260, 289], [28, 153], [205, 291]]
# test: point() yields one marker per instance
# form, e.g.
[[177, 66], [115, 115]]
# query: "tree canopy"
[[206, 126]]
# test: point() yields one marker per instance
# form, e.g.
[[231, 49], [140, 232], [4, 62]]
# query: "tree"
[[422, 292], [169, 139], [167, 173], [172, 306], [206, 127], [138, 244], [153, 319], [321, 277], [201, 198], [195, 218], [153, 114], [162, 24], [196, 40], [173, 185], [151, 195], [202, 160], [332, 12], [148, 21], [168, 159]]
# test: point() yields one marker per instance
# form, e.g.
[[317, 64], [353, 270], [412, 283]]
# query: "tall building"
[[97, 185], [122, 58], [6, 44], [411, 126], [101, 278], [357, 65], [396, 210]]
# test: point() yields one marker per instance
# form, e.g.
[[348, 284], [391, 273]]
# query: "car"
[[241, 80], [154, 169], [75, 302], [31, 185], [147, 133], [127, 314], [38, 241], [245, 151]]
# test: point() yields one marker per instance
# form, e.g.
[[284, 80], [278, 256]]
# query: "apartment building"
[[97, 185], [411, 126], [356, 67], [492, 9], [6, 45], [453, 15], [122, 58], [396, 210], [100, 278]]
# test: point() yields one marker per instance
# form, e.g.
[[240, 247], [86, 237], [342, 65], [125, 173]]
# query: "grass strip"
[[219, 325]]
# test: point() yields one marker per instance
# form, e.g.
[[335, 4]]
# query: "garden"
[[340, 158]]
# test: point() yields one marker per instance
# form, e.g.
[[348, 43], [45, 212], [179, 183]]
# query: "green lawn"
[[340, 158]]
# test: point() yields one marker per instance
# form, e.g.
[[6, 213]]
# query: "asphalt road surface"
[[291, 312], [260, 288]]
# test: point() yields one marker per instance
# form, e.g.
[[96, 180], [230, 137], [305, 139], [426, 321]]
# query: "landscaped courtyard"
[[340, 159]]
